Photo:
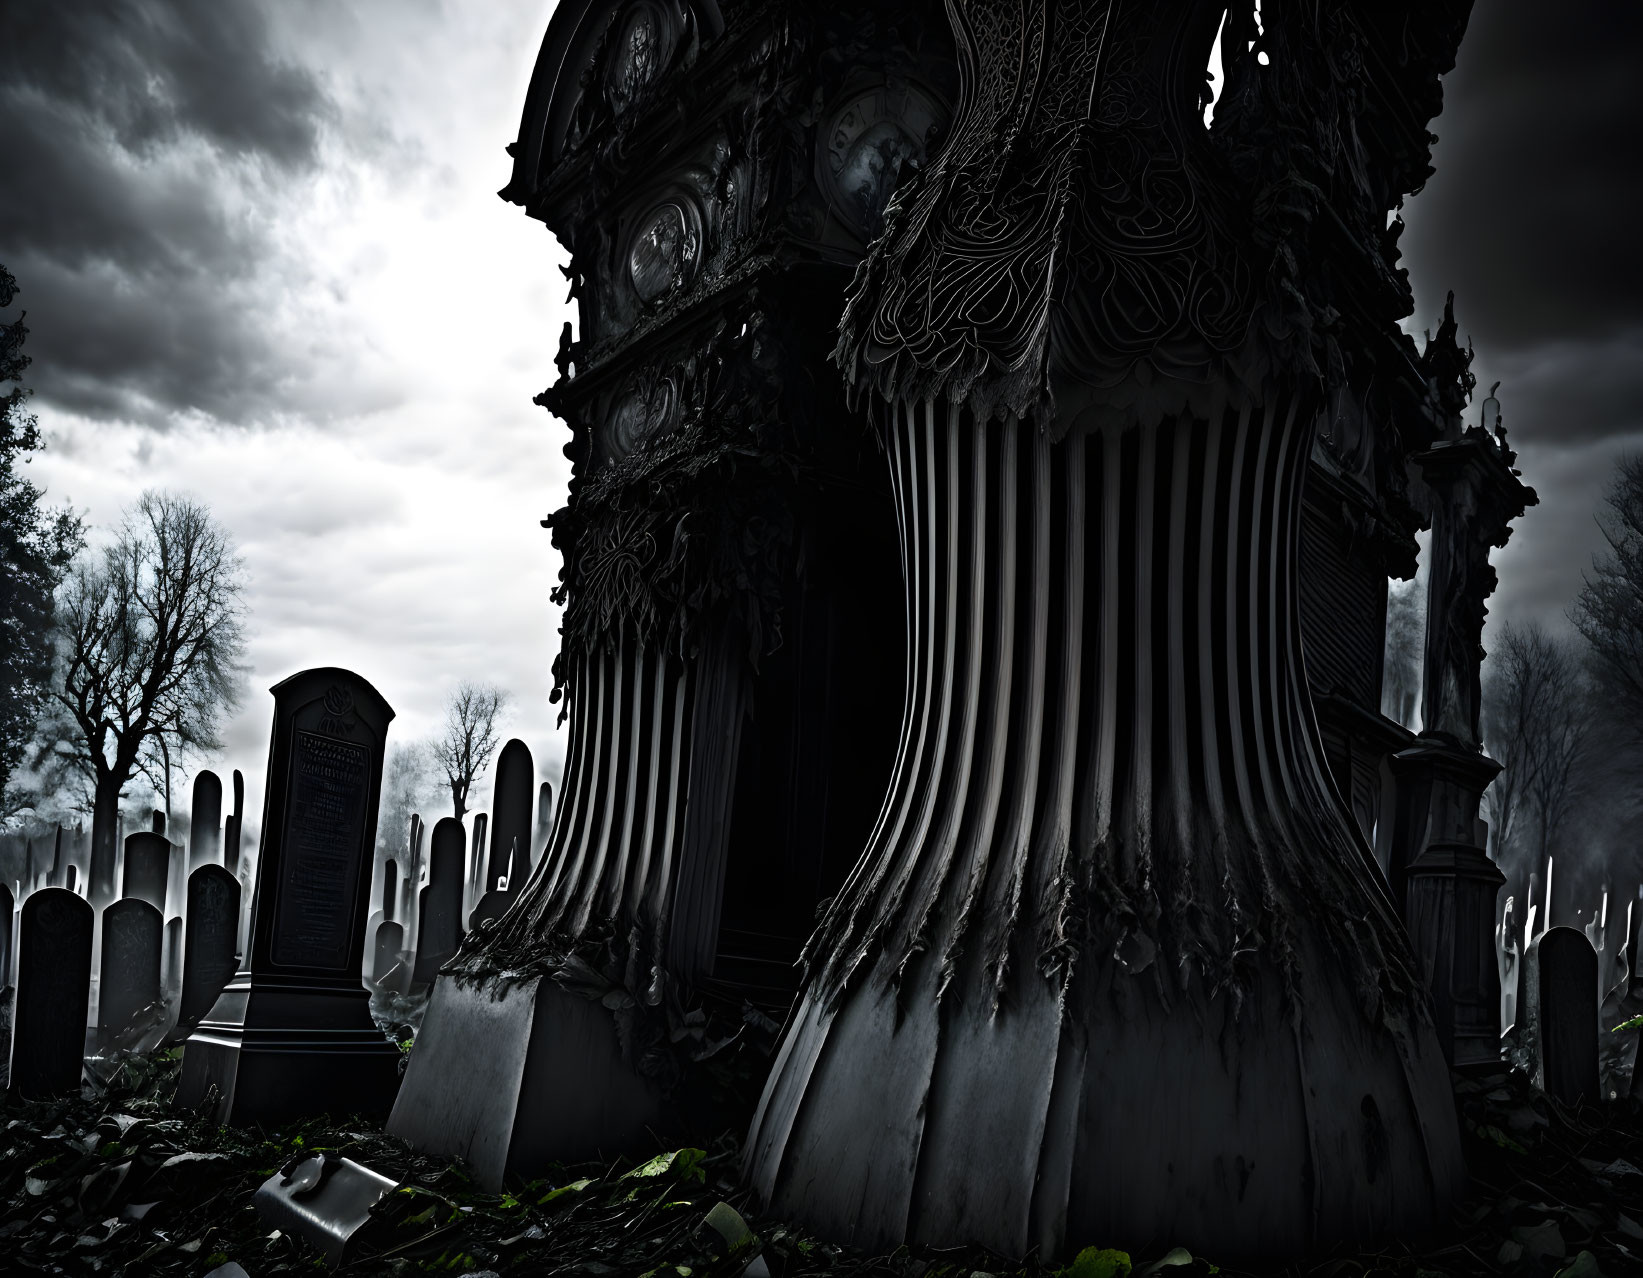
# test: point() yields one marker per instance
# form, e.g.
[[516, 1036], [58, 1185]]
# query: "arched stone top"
[[614, 48]]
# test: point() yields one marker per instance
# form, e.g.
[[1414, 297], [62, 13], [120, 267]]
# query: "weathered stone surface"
[[292, 1034], [53, 991]]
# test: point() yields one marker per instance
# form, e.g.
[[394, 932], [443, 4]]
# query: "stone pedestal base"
[[277, 1052], [1451, 913], [512, 1081]]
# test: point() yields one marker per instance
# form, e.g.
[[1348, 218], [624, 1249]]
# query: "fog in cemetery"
[[683, 637]]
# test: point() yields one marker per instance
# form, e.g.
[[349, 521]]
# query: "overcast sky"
[[264, 263]]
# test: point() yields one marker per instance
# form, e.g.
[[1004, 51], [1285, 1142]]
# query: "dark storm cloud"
[[1533, 215], [141, 142]]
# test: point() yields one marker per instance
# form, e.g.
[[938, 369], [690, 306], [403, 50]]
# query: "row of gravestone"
[[51, 998], [464, 885], [210, 842], [290, 1032]]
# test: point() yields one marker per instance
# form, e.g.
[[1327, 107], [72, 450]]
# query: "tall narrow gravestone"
[[390, 887], [292, 1034], [208, 943], [231, 828], [439, 925], [476, 859], [129, 977], [511, 817], [147, 868], [1566, 1015], [204, 820], [53, 991]]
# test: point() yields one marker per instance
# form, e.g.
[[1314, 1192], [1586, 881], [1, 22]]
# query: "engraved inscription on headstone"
[[53, 990], [324, 839], [209, 943], [147, 867], [129, 977], [291, 1034]]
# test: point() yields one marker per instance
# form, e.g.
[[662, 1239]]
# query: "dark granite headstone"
[[511, 816], [129, 974], [390, 888], [390, 941], [232, 827], [147, 867], [55, 878], [1568, 1016], [292, 1034], [158, 823], [209, 942], [53, 993], [204, 820], [71, 877], [439, 923]]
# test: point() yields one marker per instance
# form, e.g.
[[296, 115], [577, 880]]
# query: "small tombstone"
[[204, 821], [209, 942], [147, 868], [544, 816], [53, 994], [1566, 1015], [390, 941], [390, 887], [476, 857], [511, 815], [231, 828], [8, 904], [439, 921], [292, 1035], [158, 824], [71, 878], [129, 971]]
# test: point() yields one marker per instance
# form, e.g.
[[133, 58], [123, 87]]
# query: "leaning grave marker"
[[292, 1034]]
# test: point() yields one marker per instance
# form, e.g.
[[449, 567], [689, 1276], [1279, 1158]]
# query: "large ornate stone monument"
[[731, 644], [292, 1034]]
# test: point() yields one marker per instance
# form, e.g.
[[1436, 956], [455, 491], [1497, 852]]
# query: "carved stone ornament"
[[867, 146], [642, 43], [665, 249], [643, 411]]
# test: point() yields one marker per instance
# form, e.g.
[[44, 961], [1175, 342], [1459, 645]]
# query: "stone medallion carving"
[[869, 142], [665, 249]]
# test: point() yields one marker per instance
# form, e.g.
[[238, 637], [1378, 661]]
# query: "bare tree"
[[470, 737], [1538, 725], [1609, 610], [150, 636]]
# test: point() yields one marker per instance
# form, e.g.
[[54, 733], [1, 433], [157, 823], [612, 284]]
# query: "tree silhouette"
[[150, 638], [469, 739], [36, 546]]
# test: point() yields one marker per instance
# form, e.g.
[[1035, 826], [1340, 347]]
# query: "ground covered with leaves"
[[117, 1182]]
